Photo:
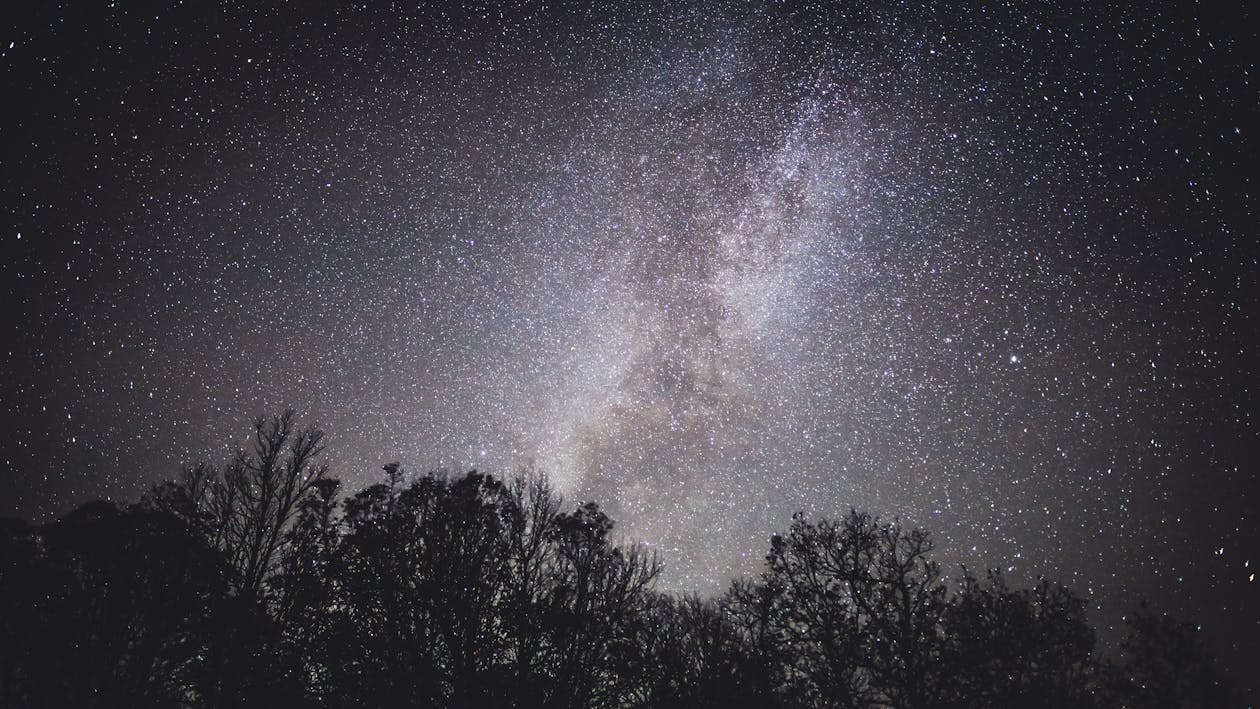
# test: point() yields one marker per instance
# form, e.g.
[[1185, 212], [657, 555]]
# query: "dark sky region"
[[989, 268]]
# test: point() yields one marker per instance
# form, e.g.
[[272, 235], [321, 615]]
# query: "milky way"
[[991, 272]]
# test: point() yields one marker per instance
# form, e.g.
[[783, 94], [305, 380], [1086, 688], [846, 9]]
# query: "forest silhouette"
[[258, 583]]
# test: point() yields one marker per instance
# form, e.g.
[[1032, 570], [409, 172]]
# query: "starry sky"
[[988, 269]]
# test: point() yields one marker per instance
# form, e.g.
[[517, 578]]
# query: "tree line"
[[256, 583]]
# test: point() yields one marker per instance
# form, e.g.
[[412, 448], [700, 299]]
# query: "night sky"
[[992, 271]]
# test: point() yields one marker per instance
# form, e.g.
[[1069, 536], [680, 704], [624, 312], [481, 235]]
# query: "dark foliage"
[[106, 608], [257, 585]]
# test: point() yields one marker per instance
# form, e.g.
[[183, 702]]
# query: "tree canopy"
[[259, 584]]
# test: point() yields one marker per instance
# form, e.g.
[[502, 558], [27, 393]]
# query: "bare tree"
[[246, 508], [534, 509], [600, 589]]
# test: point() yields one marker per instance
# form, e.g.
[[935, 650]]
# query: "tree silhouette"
[[597, 593], [258, 584], [246, 510], [304, 594], [861, 604], [1167, 665], [1027, 648], [105, 608], [534, 510], [691, 656], [767, 659]]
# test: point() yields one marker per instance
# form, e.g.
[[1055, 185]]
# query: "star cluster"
[[990, 271]]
